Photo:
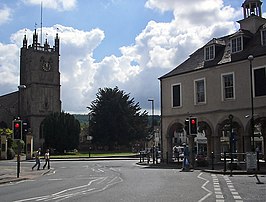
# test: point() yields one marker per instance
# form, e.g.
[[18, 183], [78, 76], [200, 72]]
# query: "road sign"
[[251, 160]]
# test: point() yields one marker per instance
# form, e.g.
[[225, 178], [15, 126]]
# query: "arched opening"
[[230, 135], [203, 139], [176, 137], [260, 136]]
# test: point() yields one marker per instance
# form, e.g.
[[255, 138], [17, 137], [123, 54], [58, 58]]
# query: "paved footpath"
[[8, 173]]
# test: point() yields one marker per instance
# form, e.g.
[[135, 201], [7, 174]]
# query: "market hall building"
[[223, 84]]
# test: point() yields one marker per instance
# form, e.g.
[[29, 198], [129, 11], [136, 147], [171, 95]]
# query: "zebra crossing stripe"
[[232, 189]]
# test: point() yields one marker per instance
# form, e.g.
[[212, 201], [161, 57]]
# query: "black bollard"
[[212, 156], [258, 161], [224, 161]]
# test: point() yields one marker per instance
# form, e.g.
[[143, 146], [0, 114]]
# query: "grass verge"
[[93, 155]]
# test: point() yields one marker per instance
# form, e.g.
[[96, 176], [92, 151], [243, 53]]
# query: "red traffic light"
[[17, 125], [193, 121], [193, 125]]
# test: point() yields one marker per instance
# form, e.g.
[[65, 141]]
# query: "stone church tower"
[[39, 89]]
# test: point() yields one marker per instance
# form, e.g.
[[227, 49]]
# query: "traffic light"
[[193, 125], [187, 126], [25, 128], [17, 129]]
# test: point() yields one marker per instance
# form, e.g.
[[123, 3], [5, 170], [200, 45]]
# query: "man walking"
[[47, 159], [37, 159]]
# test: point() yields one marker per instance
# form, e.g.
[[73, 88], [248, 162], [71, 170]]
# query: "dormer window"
[[237, 44], [209, 53], [263, 37]]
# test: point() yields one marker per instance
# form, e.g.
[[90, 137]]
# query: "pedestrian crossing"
[[219, 194]]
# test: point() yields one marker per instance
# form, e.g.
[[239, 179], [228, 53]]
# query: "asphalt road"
[[119, 180]]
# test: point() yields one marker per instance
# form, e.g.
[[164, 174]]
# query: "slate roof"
[[251, 45]]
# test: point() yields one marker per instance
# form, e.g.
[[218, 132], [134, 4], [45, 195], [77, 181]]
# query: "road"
[[126, 181]]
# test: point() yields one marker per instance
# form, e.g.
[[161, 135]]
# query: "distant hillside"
[[82, 118]]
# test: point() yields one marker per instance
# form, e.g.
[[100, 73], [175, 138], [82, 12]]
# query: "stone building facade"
[[220, 84]]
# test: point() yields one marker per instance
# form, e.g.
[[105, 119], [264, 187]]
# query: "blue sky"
[[108, 43]]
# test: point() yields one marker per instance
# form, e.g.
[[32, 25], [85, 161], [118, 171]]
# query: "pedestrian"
[[176, 153], [37, 159], [47, 159], [186, 161]]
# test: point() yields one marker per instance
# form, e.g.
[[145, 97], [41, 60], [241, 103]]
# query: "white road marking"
[[203, 187], [231, 187], [64, 193], [217, 189], [54, 179]]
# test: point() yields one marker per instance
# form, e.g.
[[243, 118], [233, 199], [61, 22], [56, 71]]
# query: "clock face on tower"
[[46, 65]]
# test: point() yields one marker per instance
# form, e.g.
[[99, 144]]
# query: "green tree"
[[115, 118], [61, 131]]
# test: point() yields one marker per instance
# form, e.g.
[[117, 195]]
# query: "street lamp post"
[[152, 107], [230, 117], [20, 87], [251, 58], [18, 143]]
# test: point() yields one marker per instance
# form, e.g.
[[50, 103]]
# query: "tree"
[[61, 131], [115, 119], [11, 145]]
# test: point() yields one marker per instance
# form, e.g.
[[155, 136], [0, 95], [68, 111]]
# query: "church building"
[[38, 92]]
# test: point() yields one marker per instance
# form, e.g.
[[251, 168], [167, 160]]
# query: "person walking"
[[47, 159], [186, 161], [37, 160]]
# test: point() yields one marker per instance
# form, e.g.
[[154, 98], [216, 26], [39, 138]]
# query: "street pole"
[[18, 117], [231, 143], [20, 87], [250, 58], [152, 107]]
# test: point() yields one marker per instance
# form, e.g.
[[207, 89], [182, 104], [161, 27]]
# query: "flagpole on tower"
[[41, 22]]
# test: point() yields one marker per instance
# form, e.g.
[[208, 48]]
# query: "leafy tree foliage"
[[61, 131], [115, 118]]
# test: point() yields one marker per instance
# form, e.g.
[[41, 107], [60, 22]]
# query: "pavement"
[[217, 168], [9, 174], [8, 168]]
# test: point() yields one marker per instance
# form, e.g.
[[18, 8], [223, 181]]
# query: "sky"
[[109, 43]]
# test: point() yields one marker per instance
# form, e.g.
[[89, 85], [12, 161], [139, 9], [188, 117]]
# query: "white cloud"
[[60, 5], [5, 14], [9, 63], [159, 48]]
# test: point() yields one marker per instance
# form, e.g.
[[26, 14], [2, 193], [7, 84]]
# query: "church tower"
[[40, 76]]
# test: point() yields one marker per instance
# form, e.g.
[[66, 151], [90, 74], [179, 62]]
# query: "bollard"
[[224, 161], [18, 165], [258, 161], [212, 156], [231, 166]]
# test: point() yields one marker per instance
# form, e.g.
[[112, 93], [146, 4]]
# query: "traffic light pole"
[[18, 141], [18, 157], [192, 133], [17, 134], [18, 163]]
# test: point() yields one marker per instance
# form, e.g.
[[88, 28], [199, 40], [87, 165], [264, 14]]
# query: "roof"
[[251, 45]]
